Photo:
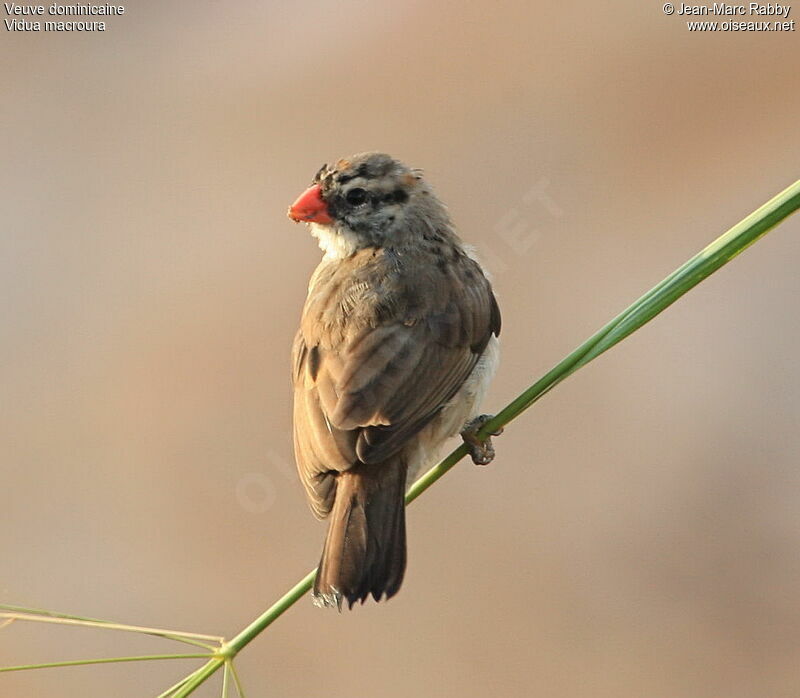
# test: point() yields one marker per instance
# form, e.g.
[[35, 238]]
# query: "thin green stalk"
[[232, 648], [12, 613], [104, 660], [171, 690], [660, 297], [226, 673], [236, 681]]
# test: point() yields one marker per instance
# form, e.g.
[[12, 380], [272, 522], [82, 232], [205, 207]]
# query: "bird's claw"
[[480, 450]]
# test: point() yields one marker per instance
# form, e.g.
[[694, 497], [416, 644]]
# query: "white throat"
[[335, 242]]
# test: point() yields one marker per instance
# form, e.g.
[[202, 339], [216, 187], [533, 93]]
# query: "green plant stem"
[[226, 672], [236, 681], [657, 299], [38, 616], [232, 648], [660, 297], [171, 690], [105, 660]]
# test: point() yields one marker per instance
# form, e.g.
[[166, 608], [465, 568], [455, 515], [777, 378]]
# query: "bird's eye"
[[356, 197]]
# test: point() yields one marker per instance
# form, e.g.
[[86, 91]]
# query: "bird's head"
[[368, 200]]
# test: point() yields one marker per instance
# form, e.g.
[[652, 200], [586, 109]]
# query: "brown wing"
[[379, 352]]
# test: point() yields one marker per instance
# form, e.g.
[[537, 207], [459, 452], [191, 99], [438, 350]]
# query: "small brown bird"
[[396, 347]]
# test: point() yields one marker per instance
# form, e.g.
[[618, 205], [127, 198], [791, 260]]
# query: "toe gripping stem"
[[480, 450]]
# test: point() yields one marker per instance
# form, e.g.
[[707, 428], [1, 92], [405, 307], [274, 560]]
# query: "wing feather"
[[384, 344]]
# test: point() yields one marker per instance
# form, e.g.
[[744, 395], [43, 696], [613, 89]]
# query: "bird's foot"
[[480, 450]]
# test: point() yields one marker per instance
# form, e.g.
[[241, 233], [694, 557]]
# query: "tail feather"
[[365, 549]]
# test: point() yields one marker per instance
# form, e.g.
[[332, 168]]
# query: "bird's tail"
[[365, 549]]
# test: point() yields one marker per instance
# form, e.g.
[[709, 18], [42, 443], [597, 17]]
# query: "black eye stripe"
[[397, 196], [342, 178], [362, 171]]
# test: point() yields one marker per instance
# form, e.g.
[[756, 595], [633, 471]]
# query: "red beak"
[[310, 207]]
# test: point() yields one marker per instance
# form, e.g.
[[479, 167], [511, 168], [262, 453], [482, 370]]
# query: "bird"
[[397, 344]]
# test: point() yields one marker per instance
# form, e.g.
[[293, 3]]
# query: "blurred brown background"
[[639, 533]]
